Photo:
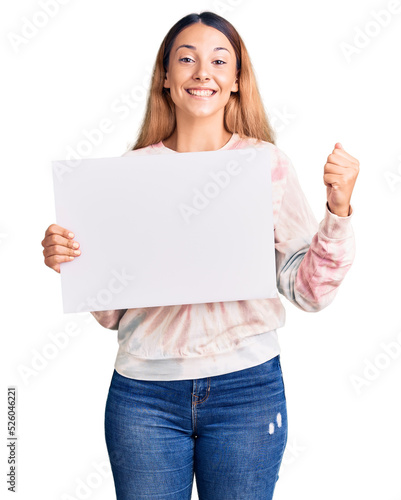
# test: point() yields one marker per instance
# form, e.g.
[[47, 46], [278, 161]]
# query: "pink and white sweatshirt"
[[201, 340]]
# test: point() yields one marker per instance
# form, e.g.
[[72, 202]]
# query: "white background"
[[343, 442]]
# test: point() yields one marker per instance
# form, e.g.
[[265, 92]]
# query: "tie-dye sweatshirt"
[[201, 340]]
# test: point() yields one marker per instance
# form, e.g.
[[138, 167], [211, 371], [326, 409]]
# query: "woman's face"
[[209, 63]]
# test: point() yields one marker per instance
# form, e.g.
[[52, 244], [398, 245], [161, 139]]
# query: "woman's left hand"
[[340, 173]]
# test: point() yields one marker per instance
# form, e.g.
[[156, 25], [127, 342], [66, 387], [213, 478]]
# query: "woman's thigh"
[[149, 438], [241, 428]]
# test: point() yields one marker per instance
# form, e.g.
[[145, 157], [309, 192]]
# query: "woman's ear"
[[166, 83], [235, 86]]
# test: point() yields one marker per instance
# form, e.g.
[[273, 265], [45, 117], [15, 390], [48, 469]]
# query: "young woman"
[[198, 388]]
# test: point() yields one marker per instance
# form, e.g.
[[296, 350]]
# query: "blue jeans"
[[229, 430]]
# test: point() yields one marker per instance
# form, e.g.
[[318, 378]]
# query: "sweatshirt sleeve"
[[109, 319], [311, 259]]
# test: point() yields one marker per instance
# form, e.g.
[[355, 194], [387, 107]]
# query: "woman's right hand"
[[59, 246]]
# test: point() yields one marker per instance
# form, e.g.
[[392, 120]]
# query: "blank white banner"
[[167, 229]]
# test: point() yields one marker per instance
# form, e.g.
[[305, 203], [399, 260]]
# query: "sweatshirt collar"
[[231, 144]]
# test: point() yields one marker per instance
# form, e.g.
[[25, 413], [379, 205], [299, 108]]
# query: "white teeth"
[[201, 92]]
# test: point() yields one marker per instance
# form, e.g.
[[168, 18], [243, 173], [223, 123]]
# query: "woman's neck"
[[197, 138]]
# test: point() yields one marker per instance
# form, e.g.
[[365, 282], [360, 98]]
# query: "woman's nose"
[[201, 73]]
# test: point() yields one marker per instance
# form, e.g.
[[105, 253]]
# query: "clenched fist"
[[340, 173]]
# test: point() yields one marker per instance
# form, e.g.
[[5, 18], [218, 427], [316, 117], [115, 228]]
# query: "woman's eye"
[[188, 58]]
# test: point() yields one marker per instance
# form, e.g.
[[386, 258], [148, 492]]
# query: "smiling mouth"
[[200, 95]]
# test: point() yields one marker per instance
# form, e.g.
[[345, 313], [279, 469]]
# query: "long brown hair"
[[244, 113]]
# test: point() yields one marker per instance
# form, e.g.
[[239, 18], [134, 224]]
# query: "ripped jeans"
[[229, 431]]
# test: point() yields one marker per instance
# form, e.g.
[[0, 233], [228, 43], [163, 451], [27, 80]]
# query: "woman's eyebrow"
[[194, 48]]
